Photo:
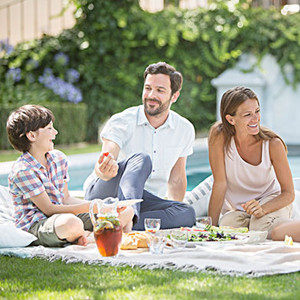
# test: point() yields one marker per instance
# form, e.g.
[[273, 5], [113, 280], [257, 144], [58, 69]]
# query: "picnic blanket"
[[253, 260], [266, 258]]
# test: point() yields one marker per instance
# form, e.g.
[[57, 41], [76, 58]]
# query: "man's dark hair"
[[164, 68], [23, 120]]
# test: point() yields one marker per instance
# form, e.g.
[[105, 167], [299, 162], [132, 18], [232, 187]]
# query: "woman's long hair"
[[230, 102]]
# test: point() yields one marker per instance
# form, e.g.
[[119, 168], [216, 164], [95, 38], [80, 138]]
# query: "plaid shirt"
[[28, 178]]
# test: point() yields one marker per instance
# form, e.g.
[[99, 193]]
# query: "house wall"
[[22, 20]]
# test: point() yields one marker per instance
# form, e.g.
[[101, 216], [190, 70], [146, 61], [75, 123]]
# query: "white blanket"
[[251, 260], [267, 258]]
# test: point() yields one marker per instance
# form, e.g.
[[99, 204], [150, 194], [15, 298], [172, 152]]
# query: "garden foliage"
[[70, 121], [113, 41], [41, 76]]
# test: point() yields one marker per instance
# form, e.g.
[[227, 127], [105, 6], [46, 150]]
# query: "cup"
[[202, 222], [156, 242], [151, 225], [179, 238]]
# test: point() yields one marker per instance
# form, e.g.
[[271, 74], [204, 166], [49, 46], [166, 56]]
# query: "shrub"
[[70, 121], [27, 77], [117, 40]]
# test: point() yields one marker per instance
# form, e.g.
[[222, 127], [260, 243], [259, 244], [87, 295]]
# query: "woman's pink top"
[[245, 181]]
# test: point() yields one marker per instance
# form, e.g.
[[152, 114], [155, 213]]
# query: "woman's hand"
[[253, 207], [107, 166]]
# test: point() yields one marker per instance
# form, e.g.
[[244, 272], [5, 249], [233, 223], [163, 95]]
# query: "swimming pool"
[[81, 165], [79, 174], [198, 169]]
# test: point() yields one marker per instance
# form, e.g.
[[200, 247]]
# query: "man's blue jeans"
[[129, 184]]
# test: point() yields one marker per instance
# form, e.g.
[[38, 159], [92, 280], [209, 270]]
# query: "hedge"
[[70, 121]]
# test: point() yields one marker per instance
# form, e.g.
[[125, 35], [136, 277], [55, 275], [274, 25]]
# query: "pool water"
[[78, 176], [197, 170]]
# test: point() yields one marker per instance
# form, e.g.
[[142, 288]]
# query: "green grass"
[[11, 155], [40, 279]]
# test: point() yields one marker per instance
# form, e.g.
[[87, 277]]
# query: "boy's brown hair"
[[23, 120]]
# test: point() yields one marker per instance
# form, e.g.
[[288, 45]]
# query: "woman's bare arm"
[[217, 164]]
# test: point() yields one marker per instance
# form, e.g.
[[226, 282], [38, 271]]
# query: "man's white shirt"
[[133, 133]]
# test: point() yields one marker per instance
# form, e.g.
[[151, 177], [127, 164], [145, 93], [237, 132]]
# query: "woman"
[[253, 184]]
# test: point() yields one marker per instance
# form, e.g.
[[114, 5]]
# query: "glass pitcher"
[[107, 227]]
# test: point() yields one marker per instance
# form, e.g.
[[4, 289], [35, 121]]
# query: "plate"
[[254, 237], [129, 202]]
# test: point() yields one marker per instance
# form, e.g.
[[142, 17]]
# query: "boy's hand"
[[107, 166]]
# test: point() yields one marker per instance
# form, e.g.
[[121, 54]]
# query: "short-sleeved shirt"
[[133, 133], [29, 178]]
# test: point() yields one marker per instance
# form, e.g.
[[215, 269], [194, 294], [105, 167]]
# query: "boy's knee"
[[75, 225], [70, 224]]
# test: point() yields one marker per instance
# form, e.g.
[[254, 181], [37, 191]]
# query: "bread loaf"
[[129, 242], [134, 240], [141, 239]]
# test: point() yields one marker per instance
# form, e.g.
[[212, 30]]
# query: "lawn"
[[40, 279]]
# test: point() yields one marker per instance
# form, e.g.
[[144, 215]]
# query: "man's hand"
[[107, 167], [253, 207]]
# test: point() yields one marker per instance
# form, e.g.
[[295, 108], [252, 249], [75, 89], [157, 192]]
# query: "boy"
[[38, 183]]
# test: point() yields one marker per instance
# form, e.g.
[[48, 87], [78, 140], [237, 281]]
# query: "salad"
[[209, 234]]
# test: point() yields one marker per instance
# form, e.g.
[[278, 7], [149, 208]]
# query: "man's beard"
[[156, 111]]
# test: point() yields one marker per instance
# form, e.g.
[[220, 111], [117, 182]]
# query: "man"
[[154, 129]]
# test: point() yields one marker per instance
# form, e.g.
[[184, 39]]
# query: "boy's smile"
[[44, 138]]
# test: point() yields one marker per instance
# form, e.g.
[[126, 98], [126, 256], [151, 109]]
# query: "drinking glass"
[[156, 242], [179, 238], [151, 225], [202, 222]]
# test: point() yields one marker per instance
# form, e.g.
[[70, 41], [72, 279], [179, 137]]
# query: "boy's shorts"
[[45, 232]]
